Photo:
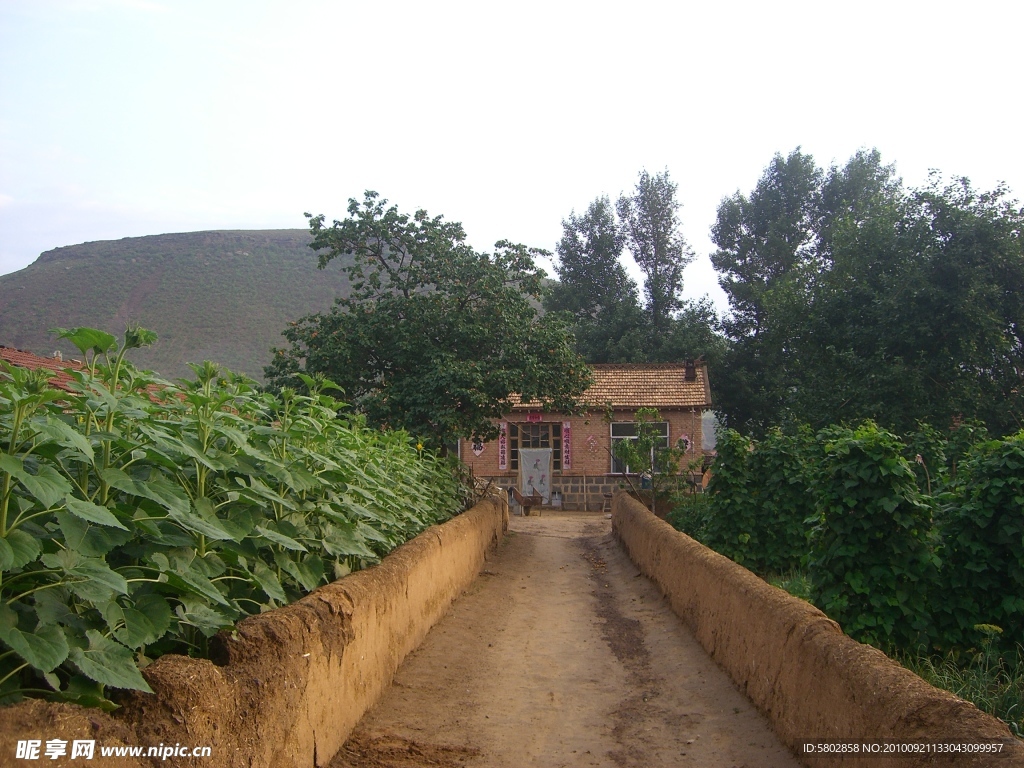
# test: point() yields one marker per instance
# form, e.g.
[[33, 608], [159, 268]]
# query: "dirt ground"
[[561, 654]]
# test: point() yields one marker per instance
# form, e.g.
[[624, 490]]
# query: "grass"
[[990, 679], [795, 582]]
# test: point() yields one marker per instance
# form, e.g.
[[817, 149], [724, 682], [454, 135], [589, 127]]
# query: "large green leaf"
[[345, 541], [279, 538], [261, 491], [109, 662], [93, 513], [268, 581], [156, 488], [196, 583], [88, 538], [146, 623], [209, 527], [46, 486], [66, 435], [308, 573], [88, 577], [26, 548], [45, 649], [201, 616], [178, 447], [51, 607], [87, 339]]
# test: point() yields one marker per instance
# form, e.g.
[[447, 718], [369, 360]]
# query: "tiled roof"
[[22, 359], [645, 385], [61, 379]]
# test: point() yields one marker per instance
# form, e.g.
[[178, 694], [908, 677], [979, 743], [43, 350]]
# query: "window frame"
[[553, 440], [616, 462]]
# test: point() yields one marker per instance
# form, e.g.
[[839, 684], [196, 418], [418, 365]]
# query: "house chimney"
[[691, 370]]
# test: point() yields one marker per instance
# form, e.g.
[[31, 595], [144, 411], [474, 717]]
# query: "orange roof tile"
[[61, 379], [645, 385], [22, 359]]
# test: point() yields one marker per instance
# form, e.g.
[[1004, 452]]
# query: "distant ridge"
[[222, 295]]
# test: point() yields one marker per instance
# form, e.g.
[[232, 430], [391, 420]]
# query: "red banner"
[[566, 445], [503, 446]]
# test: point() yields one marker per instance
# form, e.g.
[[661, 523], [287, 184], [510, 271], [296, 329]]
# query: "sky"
[[122, 118]]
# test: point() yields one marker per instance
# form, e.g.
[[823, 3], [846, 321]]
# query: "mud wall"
[[287, 687], [794, 663]]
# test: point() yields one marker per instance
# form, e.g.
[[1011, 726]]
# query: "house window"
[[536, 435], [626, 430]]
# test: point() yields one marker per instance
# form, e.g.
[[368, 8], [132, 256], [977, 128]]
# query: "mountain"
[[222, 295]]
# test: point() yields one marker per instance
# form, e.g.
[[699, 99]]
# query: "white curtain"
[[535, 472]]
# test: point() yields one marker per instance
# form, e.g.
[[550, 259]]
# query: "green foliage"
[[783, 465], [609, 323], [761, 501], [435, 338], [983, 577], [138, 518], [794, 581], [647, 455], [734, 528], [594, 289], [992, 681], [650, 225], [925, 449], [690, 514], [873, 560], [853, 297]]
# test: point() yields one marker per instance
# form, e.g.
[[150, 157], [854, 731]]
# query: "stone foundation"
[[593, 495]]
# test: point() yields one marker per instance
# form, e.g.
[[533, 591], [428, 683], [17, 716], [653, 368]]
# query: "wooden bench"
[[527, 502]]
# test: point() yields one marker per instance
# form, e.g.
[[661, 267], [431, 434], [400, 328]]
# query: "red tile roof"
[[22, 359], [61, 379], [645, 385]]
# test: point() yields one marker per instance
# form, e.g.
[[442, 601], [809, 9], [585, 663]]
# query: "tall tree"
[[593, 286], [435, 338], [650, 223], [766, 256], [855, 298]]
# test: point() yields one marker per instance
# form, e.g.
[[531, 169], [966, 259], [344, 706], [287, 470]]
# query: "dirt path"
[[561, 654]]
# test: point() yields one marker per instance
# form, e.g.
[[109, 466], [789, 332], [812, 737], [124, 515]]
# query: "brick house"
[[582, 465]]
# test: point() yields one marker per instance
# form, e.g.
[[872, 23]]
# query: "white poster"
[[535, 472]]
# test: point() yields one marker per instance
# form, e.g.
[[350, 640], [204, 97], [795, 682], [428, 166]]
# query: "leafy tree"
[[650, 224], [609, 323], [766, 239], [435, 337], [593, 286], [647, 455], [855, 298]]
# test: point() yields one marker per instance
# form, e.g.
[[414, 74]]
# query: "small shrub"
[[872, 561], [983, 569], [733, 528]]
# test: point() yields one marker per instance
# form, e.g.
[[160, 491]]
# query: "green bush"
[[690, 514], [733, 527], [139, 518], [983, 569], [781, 465], [760, 500], [873, 561]]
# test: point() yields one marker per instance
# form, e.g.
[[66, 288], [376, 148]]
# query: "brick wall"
[[589, 448]]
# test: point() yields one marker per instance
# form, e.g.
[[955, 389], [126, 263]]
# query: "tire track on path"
[[561, 654]]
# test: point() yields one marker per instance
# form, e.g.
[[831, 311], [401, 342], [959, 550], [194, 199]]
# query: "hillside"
[[221, 295]]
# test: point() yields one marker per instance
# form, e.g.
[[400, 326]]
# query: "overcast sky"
[[134, 117]]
